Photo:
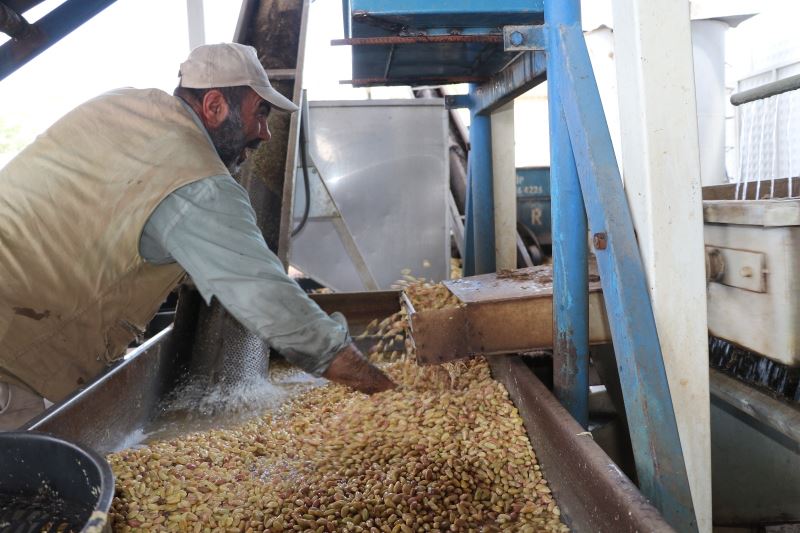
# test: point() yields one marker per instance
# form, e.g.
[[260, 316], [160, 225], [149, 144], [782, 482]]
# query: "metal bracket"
[[457, 101], [741, 269], [523, 38]]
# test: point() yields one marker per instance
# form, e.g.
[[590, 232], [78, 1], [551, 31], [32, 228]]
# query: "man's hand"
[[349, 367]]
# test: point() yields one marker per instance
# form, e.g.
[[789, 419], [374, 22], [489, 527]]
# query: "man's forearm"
[[209, 228]]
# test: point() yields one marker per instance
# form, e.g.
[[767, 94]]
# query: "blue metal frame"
[[461, 60], [48, 30], [450, 13], [585, 181], [570, 256], [481, 193], [584, 172], [468, 261], [524, 73], [648, 403]]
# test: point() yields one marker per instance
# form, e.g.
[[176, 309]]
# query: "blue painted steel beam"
[[481, 192], [21, 6], [468, 260], [570, 261], [47, 31], [654, 432], [522, 38], [450, 13], [524, 73]]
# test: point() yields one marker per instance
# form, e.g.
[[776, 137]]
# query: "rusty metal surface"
[[503, 312], [360, 308], [518, 284], [411, 39], [592, 492], [524, 72], [438, 80], [784, 188]]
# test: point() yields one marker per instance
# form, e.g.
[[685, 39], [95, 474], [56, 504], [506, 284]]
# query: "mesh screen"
[[224, 351]]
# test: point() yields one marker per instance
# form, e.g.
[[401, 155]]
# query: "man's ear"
[[214, 108]]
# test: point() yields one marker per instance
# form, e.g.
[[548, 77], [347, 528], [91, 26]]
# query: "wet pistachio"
[[446, 450]]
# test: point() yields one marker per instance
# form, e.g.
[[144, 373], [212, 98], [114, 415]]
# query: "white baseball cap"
[[230, 65]]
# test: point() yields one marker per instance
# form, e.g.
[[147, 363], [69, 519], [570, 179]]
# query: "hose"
[[306, 185]]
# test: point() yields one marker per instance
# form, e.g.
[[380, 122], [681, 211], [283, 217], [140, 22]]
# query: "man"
[[108, 210]]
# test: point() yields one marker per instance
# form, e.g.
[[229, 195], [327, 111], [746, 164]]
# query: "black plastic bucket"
[[48, 483]]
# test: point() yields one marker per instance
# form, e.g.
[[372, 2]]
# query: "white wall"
[[531, 128]]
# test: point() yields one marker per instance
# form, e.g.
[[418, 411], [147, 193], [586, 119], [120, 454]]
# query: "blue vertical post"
[[481, 194], [660, 465], [468, 261], [570, 283]]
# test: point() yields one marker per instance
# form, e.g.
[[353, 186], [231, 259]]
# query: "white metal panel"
[[661, 166], [764, 322], [385, 165]]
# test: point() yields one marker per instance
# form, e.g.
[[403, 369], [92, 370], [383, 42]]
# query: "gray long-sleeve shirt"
[[209, 228]]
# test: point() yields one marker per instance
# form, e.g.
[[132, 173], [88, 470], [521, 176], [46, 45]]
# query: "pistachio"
[[446, 450]]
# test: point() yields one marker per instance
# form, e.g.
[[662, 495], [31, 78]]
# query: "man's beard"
[[230, 141]]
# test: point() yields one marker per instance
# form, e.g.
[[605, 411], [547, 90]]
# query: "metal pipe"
[[570, 282], [481, 189], [13, 24], [765, 91]]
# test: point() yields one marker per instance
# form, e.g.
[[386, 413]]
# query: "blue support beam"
[[468, 259], [47, 31], [654, 432], [570, 261], [481, 215], [449, 13], [523, 74]]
